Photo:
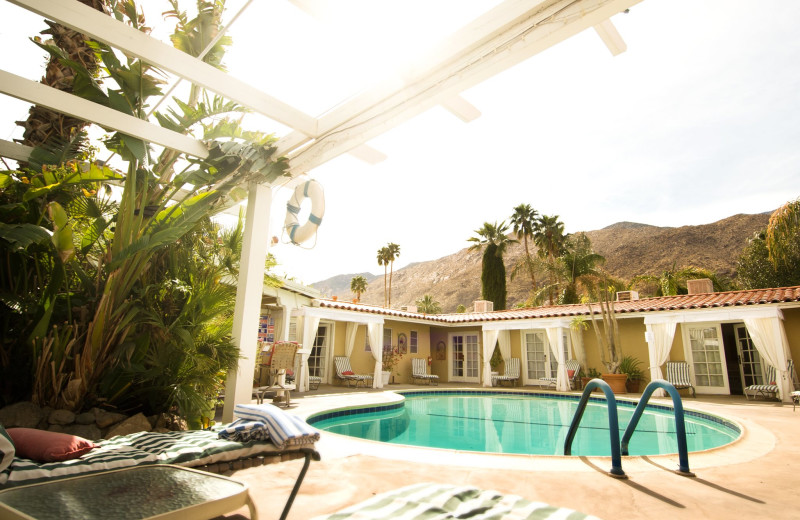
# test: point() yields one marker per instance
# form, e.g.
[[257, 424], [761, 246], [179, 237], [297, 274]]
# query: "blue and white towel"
[[264, 421]]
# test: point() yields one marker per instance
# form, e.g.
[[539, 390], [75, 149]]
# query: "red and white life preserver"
[[300, 233]]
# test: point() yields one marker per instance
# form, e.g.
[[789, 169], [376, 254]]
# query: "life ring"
[[301, 233]]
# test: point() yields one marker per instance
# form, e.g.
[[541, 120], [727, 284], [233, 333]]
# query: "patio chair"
[[678, 375], [574, 379], [345, 374], [283, 359], [510, 374], [766, 390], [419, 370]]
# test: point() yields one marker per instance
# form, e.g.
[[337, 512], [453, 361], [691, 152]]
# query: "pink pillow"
[[348, 373], [44, 446], [570, 373]]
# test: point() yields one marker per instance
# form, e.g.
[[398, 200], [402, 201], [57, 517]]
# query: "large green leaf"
[[20, 236]]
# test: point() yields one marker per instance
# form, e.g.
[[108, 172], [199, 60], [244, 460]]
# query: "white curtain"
[[350, 337], [504, 342], [769, 338], [576, 336], [659, 338], [555, 338], [310, 326], [489, 341], [375, 331]]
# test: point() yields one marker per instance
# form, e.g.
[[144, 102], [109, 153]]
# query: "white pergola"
[[504, 36]]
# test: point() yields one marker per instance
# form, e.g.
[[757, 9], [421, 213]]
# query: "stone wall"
[[93, 425]]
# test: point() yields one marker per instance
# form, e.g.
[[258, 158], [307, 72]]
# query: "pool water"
[[524, 424]]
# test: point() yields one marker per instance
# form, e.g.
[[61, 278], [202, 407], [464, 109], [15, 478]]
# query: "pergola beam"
[[509, 34], [611, 37], [106, 29], [71, 105]]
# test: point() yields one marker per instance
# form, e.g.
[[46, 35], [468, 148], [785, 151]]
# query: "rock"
[[85, 418], [137, 423], [62, 417], [87, 431], [105, 419], [24, 414]]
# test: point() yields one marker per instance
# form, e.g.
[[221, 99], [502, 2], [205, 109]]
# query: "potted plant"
[[391, 358], [591, 374], [608, 342], [630, 366]]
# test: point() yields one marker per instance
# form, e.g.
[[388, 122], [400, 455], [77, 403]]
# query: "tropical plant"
[[549, 238], [384, 260], [593, 373], [393, 251], [575, 272], [358, 284], [755, 270], [461, 308], [493, 240], [631, 367], [524, 223], [428, 305], [91, 316], [608, 343], [672, 281], [783, 233]]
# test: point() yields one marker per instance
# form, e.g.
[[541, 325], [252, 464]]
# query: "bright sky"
[[698, 120]]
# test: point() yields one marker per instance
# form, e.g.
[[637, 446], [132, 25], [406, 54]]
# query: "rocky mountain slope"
[[630, 249]]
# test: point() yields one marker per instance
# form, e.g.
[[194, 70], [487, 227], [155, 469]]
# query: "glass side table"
[[162, 491]]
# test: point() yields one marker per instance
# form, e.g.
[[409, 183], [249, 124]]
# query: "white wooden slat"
[[611, 37]]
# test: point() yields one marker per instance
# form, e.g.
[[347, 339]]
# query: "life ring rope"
[[298, 233]]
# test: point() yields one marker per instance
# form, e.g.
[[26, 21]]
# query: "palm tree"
[[579, 267], [428, 305], [493, 240], [672, 281], [384, 260], [549, 238], [783, 232], [358, 285], [393, 252], [524, 222]]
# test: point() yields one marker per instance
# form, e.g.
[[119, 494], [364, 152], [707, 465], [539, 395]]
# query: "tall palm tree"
[[428, 305], [549, 238], [383, 259], [493, 240], [393, 252], [579, 263], [358, 284], [783, 232], [524, 222]]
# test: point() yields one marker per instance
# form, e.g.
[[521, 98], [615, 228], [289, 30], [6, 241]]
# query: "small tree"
[[358, 284], [428, 305], [607, 342]]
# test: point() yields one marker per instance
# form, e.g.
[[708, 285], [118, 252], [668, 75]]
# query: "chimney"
[[627, 296], [700, 286], [483, 306], [409, 308]]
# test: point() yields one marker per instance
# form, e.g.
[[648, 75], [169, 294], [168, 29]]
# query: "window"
[[366, 343], [412, 342], [387, 338]]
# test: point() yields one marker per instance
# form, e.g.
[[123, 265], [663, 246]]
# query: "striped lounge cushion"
[[442, 501]]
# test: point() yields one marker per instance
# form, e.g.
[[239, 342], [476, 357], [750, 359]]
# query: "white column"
[[239, 384]]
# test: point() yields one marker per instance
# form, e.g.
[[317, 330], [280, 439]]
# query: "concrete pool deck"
[[755, 476]]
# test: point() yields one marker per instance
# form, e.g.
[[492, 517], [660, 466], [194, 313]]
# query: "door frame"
[[687, 350]]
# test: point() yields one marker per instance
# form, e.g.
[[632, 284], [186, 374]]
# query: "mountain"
[[630, 249]]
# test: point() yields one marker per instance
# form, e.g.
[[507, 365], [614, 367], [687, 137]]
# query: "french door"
[[708, 358], [464, 358], [749, 358], [318, 359], [536, 356]]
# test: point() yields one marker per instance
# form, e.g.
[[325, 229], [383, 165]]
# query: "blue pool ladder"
[[621, 448]]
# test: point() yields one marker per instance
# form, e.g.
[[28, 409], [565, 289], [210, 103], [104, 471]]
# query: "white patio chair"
[[678, 375], [510, 374], [419, 370]]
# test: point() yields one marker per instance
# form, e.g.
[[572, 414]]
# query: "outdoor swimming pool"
[[522, 423]]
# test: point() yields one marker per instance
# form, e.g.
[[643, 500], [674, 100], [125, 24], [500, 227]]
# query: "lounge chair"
[[678, 375], [510, 374], [419, 370], [572, 365], [770, 389], [344, 372]]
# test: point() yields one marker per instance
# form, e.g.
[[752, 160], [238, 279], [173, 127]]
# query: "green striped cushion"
[[442, 501]]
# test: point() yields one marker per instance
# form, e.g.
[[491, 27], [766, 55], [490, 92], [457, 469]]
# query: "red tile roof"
[[662, 303]]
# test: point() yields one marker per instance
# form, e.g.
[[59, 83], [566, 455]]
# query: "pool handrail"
[[680, 425], [613, 425]]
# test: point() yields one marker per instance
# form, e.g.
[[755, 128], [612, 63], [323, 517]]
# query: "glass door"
[[318, 359], [465, 358], [536, 365], [749, 359], [708, 359]]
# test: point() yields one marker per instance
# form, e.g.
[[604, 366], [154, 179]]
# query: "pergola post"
[[239, 384]]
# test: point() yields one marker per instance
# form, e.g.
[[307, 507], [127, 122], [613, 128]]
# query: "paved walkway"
[[754, 477]]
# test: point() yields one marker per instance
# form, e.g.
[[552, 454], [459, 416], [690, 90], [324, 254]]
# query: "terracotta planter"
[[616, 382], [633, 385]]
